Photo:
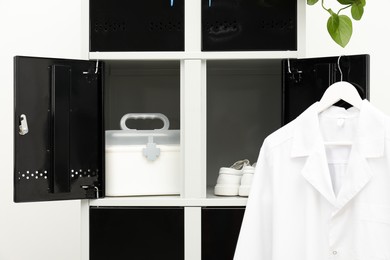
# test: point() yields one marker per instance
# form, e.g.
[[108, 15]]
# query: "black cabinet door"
[[220, 230], [305, 80], [122, 25], [58, 130], [136, 233], [249, 25]]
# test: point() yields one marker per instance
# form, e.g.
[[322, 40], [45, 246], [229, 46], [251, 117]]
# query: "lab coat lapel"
[[307, 142], [316, 172], [369, 143], [357, 176]]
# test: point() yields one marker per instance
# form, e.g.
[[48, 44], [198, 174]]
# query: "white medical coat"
[[311, 201]]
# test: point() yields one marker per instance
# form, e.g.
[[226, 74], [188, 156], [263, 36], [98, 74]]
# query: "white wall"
[[371, 36], [44, 231], [51, 28]]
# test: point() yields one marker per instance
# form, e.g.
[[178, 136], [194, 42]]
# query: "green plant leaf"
[[312, 2], [357, 11], [347, 2], [360, 2], [333, 21], [340, 28]]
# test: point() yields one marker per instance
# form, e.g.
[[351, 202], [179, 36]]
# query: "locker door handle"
[[23, 126]]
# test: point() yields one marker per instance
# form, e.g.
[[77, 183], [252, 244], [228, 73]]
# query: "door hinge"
[[94, 71], [294, 74], [92, 191]]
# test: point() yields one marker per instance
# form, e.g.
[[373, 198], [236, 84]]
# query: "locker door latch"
[[151, 151], [23, 126]]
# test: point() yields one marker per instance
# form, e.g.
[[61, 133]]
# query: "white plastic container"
[[142, 162]]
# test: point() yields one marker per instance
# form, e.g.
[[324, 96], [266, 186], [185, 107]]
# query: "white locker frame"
[[193, 133]]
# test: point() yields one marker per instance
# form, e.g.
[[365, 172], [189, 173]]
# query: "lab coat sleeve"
[[255, 239]]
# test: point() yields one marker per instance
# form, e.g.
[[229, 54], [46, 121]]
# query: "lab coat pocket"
[[373, 230]]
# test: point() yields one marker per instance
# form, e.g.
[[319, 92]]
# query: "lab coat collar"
[[369, 143], [369, 139], [316, 172]]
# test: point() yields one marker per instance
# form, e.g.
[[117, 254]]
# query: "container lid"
[[128, 136], [131, 137]]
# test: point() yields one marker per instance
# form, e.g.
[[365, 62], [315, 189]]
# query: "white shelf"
[[244, 55], [171, 201]]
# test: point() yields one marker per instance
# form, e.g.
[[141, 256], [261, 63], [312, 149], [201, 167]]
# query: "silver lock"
[[23, 126]]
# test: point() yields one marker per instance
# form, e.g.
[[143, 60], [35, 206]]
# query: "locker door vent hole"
[[86, 173], [109, 27], [280, 24], [165, 26], [32, 175], [43, 174]]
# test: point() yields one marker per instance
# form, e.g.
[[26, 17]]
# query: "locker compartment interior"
[[145, 161], [244, 105], [141, 87]]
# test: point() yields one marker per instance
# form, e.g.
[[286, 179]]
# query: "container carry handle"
[[160, 116]]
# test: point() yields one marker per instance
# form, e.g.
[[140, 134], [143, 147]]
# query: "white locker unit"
[[225, 72]]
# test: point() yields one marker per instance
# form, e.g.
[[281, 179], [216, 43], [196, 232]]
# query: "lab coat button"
[[334, 252], [340, 122]]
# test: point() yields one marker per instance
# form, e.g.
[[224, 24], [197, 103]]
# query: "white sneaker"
[[246, 180], [229, 179]]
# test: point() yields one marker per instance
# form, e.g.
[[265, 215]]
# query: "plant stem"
[[348, 6], [323, 6], [326, 9]]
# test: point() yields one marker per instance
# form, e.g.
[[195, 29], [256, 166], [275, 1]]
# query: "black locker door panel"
[[220, 230], [249, 25], [136, 233], [60, 157], [123, 25], [305, 80]]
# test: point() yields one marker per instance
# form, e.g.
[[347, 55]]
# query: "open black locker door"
[[58, 130], [305, 80]]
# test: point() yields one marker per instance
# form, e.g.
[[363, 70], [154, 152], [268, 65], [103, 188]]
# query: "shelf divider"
[[193, 128]]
